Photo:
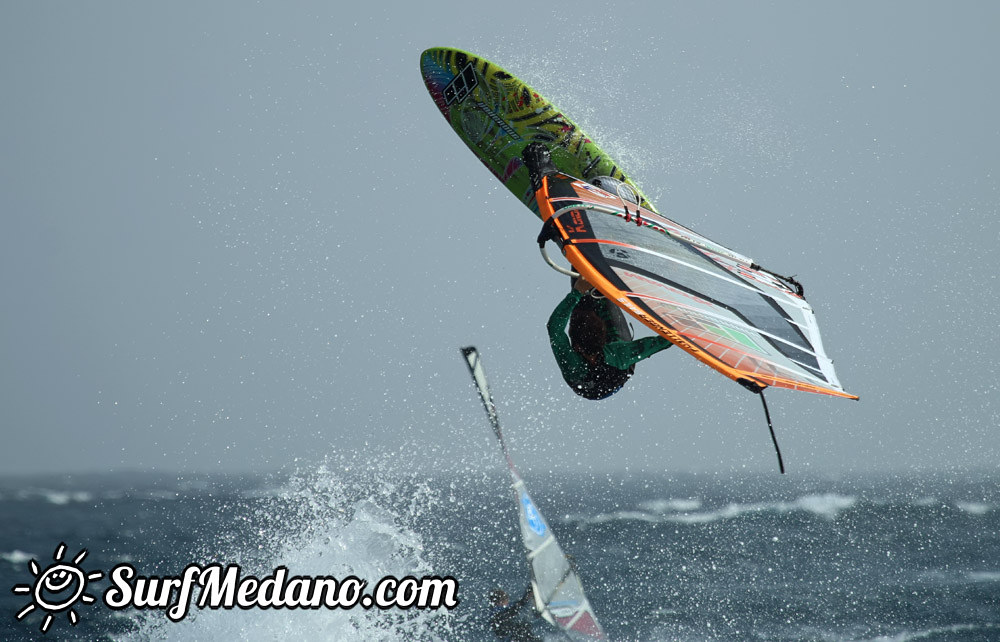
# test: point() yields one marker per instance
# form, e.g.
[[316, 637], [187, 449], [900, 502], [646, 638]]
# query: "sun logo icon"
[[57, 588]]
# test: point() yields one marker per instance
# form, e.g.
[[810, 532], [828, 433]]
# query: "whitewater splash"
[[334, 521]]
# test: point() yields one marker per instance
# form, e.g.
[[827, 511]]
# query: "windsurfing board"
[[497, 115]]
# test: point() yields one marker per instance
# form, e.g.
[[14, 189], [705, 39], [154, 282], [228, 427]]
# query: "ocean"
[[888, 558]]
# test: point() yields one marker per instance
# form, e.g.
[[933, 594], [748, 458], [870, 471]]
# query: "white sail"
[[558, 591]]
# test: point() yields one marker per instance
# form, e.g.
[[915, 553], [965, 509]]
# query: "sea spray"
[[344, 519]]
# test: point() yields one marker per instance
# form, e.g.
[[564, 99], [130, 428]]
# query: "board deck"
[[497, 115]]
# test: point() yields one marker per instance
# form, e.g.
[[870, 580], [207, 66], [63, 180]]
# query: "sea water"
[[887, 558]]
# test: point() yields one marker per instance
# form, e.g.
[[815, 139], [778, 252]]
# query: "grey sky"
[[239, 234]]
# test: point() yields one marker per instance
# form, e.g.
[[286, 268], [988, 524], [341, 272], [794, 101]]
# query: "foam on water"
[[985, 576], [827, 505], [17, 557], [686, 511], [938, 633], [974, 508], [671, 505], [58, 497]]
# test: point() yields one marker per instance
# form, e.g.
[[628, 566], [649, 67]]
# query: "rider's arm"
[[622, 354], [572, 365]]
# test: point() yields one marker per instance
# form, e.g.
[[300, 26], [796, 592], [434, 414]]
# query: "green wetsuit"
[[618, 352]]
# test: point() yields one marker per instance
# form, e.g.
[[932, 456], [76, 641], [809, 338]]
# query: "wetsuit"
[[508, 625], [620, 353]]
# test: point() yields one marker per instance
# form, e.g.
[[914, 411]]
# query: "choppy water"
[[773, 558]]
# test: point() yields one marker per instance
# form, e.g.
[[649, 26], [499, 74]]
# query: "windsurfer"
[[599, 355], [506, 620]]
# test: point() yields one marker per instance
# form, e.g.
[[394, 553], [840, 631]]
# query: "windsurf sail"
[[558, 592], [752, 325]]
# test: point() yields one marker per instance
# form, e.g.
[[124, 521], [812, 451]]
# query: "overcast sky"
[[236, 234]]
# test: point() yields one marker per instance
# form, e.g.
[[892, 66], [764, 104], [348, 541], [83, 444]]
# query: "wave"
[[686, 511], [668, 505], [935, 633], [974, 508], [61, 497], [17, 557], [984, 576], [52, 496], [828, 505], [825, 505], [179, 489]]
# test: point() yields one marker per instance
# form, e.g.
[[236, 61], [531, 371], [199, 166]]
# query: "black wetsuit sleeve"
[[622, 354], [571, 364]]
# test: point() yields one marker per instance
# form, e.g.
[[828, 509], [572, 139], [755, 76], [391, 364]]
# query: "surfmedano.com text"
[[227, 588]]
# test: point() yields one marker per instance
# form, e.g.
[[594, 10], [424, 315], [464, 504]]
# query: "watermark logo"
[[58, 588]]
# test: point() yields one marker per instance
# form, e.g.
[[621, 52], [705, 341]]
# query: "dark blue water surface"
[[890, 558]]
